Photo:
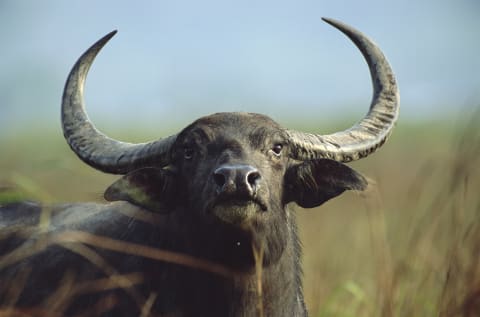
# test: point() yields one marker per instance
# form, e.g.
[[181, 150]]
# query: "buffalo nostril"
[[219, 178], [236, 180], [253, 177]]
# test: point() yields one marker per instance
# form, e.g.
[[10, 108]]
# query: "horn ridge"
[[372, 131], [93, 147]]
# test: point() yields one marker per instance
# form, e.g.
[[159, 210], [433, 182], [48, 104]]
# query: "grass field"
[[409, 246]]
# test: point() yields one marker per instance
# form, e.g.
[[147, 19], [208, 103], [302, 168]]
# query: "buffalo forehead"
[[236, 126]]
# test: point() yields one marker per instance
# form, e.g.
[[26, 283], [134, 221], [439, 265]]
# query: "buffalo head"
[[237, 170]]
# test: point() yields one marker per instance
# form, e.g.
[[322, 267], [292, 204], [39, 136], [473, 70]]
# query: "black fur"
[[178, 208]]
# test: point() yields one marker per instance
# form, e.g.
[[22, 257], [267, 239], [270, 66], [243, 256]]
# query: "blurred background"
[[408, 247], [184, 59]]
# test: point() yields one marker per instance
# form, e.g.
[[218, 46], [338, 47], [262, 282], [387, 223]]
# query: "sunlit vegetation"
[[409, 246]]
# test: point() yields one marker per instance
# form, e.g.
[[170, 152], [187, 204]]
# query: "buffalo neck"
[[274, 286]]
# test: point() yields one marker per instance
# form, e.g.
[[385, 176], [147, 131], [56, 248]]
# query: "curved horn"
[[93, 147], [369, 133]]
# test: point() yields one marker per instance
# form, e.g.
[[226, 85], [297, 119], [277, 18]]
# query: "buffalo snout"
[[237, 181]]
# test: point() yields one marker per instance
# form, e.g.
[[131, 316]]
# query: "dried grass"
[[415, 251]]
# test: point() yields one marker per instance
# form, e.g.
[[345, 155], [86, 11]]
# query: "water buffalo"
[[201, 223]]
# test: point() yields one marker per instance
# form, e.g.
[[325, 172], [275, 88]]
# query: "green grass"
[[410, 246]]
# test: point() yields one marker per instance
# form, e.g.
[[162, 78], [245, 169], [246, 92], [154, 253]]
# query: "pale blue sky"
[[185, 59]]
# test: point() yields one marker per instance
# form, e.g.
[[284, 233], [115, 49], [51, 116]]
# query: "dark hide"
[[312, 183], [224, 199]]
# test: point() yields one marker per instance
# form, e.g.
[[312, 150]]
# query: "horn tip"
[[333, 22], [101, 42], [110, 35]]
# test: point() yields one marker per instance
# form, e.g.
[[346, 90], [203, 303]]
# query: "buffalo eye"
[[188, 153], [277, 149]]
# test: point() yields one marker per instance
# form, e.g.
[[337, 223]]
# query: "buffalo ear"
[[312, 183], [149, 187]]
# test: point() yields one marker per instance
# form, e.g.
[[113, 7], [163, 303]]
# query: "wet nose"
[[237, 179]]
